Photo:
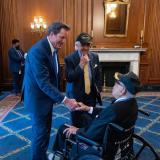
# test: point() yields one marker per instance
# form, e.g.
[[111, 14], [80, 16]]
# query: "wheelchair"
[[117, 144]]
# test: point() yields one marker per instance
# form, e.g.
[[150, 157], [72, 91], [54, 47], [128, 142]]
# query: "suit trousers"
[[82, 119], [60, 139], [41, 127], [16, 82]]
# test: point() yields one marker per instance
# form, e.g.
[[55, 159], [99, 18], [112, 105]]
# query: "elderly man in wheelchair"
[[110, 134]]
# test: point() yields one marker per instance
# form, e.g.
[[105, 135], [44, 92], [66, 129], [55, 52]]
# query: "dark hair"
[[14, 41], [56, 27]]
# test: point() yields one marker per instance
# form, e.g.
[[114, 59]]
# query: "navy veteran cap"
[[130, 80], [84, 38]]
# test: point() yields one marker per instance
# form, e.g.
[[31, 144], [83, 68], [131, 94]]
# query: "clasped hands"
[[73, 105], [71, 130]]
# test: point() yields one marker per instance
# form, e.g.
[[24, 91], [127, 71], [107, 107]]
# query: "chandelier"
[[38, 25]]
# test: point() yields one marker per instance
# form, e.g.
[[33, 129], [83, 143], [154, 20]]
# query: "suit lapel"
[[91, 63], [49, 56], [76, 58]]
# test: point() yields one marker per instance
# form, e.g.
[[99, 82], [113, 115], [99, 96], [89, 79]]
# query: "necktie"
[[87, 79], [55, 62], [19, 53]]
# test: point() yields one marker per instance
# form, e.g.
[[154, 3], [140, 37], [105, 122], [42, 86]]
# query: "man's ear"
[[123, 91]]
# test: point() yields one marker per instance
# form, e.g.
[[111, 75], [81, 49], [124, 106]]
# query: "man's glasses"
[[119, 83]]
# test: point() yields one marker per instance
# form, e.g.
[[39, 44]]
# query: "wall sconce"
[[38, 25]]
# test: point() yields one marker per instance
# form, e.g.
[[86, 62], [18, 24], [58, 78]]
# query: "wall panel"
[[8, 16], [152, 37], [81, 15]]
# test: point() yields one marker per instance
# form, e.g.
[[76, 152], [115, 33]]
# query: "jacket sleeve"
[[40, 72], [96, 130], [13, 55], [98, 76], [96, 111], [72, 72]]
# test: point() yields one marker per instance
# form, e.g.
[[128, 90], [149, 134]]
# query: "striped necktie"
[[55, 61]]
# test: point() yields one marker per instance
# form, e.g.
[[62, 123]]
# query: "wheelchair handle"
[[86, 140], [121, 128], [143, 112]]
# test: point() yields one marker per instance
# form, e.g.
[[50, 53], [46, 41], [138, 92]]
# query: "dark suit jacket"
[[75, 74], [41, 82], [15, 60], [123, 113]]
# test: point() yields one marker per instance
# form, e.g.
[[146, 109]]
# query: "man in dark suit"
[[123, 111], [69, 86], [41, 86], [16, 65], [82, 70]]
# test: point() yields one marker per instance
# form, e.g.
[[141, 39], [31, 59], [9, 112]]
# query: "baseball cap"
[[130, 81], [84, 38]]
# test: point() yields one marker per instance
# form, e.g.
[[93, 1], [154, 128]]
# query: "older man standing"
[[41, 86], [82, 70]]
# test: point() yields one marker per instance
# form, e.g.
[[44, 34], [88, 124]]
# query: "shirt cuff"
[[64, 99], [90, 110]]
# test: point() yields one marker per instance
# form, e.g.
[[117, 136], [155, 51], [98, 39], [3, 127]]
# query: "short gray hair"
[[78, 43]]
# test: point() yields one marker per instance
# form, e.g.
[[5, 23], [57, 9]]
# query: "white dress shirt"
[[52, 50]]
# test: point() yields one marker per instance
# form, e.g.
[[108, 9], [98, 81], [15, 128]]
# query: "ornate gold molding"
[[118, 1]]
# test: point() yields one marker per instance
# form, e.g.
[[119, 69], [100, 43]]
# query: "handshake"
[[73, 105]]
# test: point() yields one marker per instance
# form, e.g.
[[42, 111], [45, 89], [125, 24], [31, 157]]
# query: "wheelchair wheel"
[[144, 144], [89, 157]]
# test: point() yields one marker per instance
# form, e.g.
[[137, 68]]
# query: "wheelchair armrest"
[[86, 140], [119, 128]]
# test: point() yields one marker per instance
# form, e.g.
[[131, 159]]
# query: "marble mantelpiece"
[[131, 55]]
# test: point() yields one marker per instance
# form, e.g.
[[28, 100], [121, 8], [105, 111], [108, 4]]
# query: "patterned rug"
[[7, 104], [15, 129]]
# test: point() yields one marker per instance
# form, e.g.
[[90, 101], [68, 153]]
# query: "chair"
[[117, 145], [118, 142]]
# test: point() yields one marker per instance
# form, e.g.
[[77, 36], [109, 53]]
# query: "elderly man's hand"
[[82, 107], [83, 61], [70, 130]]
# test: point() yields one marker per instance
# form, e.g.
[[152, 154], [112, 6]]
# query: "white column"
[[134, 67]]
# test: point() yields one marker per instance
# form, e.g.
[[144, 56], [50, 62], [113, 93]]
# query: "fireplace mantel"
[[119, 49], [131, 55]]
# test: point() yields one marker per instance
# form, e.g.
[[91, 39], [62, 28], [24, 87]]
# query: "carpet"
[[15, 129], [7, 104]]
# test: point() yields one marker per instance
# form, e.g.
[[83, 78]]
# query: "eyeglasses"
[[119, 83]]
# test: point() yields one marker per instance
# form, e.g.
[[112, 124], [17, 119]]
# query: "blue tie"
[[55, 62]]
